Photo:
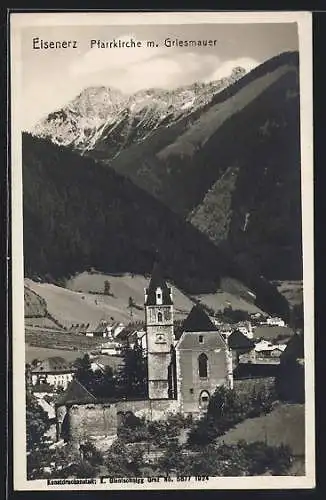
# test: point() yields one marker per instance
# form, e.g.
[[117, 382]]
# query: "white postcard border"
[[30, 19]]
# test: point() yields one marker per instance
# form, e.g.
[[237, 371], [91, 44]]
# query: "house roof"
[[157, 281], [54, 364], [75, 392], [237, 340], [101, 327], [198, 321], [261, 347]]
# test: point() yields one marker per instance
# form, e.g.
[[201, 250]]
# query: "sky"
[[52, 78]]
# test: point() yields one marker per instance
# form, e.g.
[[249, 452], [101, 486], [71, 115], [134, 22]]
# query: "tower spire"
[[158, 288]]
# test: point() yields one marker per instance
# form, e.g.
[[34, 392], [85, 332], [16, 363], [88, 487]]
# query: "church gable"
[[198, 321]]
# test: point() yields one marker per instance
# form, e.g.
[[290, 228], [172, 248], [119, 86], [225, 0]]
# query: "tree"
[[37, 423], [102, 383], [131, 306], [133, 373], [107, 287], [297, 320], [84, 373], [99, 383]]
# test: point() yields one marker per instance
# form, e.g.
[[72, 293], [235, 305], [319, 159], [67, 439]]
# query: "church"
[[182, 373], [190, 369]]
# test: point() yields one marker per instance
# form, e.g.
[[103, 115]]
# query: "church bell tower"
[[159, 331]]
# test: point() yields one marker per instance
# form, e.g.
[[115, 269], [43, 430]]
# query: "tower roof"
[[198, 321], [157, 281]]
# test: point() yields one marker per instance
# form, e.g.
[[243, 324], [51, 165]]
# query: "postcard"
[[162, 262]]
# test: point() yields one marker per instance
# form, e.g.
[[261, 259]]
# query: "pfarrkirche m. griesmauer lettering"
[[161, 202]]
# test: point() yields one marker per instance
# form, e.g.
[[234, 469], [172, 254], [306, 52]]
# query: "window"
[[159, 317], [201, 339], [202, 365], [159, 296]]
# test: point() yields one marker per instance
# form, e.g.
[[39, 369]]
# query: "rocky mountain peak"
[[99, 111]]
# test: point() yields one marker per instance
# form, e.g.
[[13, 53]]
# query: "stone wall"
[[246, 386], [155, 409], [91, 420], [85, 421]]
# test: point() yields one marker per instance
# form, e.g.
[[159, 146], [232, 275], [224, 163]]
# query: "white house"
[[275, 321], [111, 348], [53, 371], [267, 349]]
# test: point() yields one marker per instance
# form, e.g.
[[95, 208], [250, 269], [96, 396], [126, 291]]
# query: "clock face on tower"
[[160, 338]]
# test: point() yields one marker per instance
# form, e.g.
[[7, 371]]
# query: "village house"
[[245, 327], [275, 321], [106, 329], [54, 371], [266, 349], [111, 348]]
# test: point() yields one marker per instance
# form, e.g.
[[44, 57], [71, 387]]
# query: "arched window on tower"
[[202, 365], [159, 317]]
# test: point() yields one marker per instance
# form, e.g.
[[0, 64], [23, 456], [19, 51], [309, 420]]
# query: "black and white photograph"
[[162, 235]]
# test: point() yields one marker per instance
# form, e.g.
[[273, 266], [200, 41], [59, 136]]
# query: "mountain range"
[[224, 156], [107, 115]]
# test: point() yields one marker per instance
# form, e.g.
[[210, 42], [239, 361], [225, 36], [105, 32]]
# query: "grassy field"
[[59, 340], [221, 299], [41, 353], [43, 322], [285, 424], [82, 300]]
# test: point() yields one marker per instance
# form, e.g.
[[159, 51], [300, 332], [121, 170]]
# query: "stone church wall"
[[191, 386]]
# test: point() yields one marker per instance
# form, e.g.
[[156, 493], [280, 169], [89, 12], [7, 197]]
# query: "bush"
[[159, 433], [203, 432], [226, 409], [91, 454], [124, 462], [241, 459]]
